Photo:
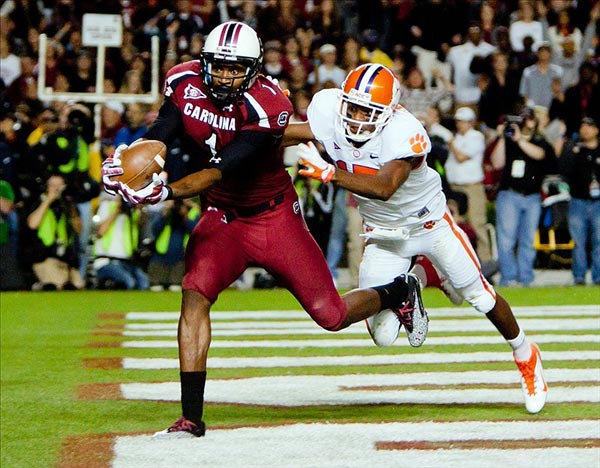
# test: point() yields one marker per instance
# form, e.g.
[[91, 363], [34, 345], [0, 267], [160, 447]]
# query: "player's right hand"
[[112, 167], [153, 193], [316, 167]]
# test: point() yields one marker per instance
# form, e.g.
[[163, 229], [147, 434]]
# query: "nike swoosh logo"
[[372, 156]]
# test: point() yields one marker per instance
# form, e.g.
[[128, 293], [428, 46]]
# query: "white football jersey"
[[418, 200]]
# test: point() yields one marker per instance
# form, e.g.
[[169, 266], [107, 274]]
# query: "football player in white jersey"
[[378, 150]]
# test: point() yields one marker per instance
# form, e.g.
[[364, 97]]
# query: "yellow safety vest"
[[50, 229], [130, 242], [162, 241]]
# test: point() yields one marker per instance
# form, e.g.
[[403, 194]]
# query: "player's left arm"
[[381, 185], [229, 160]]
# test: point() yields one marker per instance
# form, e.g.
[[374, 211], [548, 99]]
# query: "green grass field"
[[46, 340]]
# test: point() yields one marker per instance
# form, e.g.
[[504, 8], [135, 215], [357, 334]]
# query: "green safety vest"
[[81, 162], [162, 241], [130, 242], [51, 229]]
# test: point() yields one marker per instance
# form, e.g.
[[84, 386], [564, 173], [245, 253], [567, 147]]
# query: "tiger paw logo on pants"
[[418, 143]]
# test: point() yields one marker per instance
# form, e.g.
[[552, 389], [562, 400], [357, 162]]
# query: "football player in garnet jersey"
[[378, 150], [234, 119]]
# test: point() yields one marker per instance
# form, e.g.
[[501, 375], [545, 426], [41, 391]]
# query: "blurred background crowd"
[[470, 70]]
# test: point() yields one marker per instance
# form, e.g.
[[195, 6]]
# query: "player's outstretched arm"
[[380, 185], [296, 133]]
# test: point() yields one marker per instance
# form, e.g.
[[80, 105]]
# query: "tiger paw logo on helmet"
[[418, 143]]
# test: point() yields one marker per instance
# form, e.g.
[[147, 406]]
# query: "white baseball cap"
[[464, 113]]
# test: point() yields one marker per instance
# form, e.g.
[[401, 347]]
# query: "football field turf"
[[88, 376]]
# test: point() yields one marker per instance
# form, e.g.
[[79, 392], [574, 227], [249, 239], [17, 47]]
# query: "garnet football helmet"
[[231, 43], [376, 90]]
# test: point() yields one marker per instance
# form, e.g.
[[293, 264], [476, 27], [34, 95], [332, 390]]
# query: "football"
[[140, 161]]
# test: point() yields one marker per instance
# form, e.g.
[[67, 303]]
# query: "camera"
[[509, 121]]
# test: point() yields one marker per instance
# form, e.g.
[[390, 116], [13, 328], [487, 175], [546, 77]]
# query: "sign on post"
[[102, 30]]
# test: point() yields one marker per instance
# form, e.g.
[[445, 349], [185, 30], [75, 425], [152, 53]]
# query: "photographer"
[[171, 229], [54, 225], [525, 158], [580, 165], [118, 229]]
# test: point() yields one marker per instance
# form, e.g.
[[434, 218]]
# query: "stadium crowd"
[[508, 90]]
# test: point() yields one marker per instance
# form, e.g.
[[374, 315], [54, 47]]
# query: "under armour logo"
[[228, 108], [215, 160]]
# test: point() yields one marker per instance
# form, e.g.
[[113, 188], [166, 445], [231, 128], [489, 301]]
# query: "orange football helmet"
[[376, 90]]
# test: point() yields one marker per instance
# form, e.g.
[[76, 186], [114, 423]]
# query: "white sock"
[[419, 272], [521, 347]]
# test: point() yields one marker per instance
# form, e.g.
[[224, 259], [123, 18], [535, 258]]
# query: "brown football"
[[140, 160]]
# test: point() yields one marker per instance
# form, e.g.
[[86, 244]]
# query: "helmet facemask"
[[377, 116], [227, 92], [370, 92], [228, 44]]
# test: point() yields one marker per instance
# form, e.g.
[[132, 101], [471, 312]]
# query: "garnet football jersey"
[[419, 198], [264, 109]]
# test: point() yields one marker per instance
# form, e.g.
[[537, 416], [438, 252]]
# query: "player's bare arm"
[[196, 183], [381, 185], [297, 133]]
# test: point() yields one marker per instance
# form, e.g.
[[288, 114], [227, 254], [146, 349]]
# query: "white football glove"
[[275, 81], [316, 166], [112, 167], [155, 192]]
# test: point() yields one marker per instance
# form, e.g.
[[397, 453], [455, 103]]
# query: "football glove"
[[275, 81], [112, 167], [316, 166], [155, 192]]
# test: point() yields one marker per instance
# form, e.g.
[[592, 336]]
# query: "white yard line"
[[353, 342], [333, 390], [355, 446], [359, 360], [538, 311]]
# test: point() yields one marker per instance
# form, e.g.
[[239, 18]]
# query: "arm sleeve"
[[247, 145], [166, 125]]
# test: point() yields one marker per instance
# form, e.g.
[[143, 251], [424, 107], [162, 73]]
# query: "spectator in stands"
[[10, 64], [525, 24], [538, 80], [326, 22], [466, 91], [293, 57], [135, 124], [53, 246], [371, 51], [525, 158], [272, 63], [417, 97], [580, 165], [564, 31], [345, 231], [582, 99], [328, 73], [112, 119], [278, 18], [436, 26], [82, 79], [171, 231], [181, 24], [350, 54], [133, 83], [464, 172], [118, 229], [499, 94]]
